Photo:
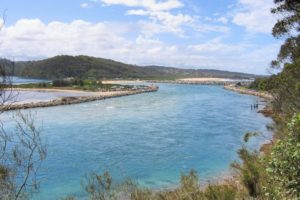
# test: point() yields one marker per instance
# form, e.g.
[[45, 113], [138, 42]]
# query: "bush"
[[61, 83], [284, 164]]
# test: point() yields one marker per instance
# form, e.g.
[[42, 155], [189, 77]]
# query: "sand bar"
[[75, 97]]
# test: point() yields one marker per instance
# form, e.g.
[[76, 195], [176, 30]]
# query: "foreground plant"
[[284, 164]]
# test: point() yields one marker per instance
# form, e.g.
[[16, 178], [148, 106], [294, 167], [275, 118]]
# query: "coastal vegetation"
[[79, 84], [84, 67], [271, 174], [275, 174]]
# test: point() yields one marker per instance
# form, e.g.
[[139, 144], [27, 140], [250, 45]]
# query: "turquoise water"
[[150, 137], [19, 80]]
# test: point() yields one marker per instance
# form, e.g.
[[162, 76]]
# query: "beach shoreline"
[[87, 97], [243, 90], [192, 81]]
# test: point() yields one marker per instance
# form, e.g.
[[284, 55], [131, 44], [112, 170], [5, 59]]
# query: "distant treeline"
[[85, 67], [80, 84]]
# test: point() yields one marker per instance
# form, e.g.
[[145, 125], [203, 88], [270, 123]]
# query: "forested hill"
[[90, 67]]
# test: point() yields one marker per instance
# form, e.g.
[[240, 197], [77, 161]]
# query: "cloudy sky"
[[231, 35]]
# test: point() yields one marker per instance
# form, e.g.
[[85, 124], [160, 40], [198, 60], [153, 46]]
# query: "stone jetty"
[[202, 81], [77, 99]]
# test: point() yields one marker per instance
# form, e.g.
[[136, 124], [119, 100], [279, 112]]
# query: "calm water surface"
[[150, 138], [19, 80]]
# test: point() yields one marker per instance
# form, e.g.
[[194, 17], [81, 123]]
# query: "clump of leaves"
[[250, 171], [221, 192], [99, 187], [284, 164], [189, 189]]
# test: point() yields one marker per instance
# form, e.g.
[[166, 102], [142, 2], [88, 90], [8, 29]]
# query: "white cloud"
[[1, 23], [151, 5], [224, 20], [216, 46], [166, 21], [85, 5], [159, 13], [204, 28], [164, 16], [255, 15], [32, 39]]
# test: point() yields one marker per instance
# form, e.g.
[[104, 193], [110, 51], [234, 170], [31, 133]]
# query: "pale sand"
[[54, 90], [200, 80], [241, 90], [65, 100], [206, 79], [121, 81], [77, 92]]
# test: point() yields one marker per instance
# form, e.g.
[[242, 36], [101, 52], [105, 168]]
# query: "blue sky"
[[230, 35]]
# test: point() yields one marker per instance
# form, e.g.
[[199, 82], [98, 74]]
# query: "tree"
[[20, 158], [290, 12], [21, 149], [288, 52], [288, 25], [286, 86]]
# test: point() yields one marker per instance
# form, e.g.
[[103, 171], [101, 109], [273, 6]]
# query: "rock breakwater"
[[76, 99]]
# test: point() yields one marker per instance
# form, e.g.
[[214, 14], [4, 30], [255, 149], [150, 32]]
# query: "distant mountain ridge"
[[59, 67]]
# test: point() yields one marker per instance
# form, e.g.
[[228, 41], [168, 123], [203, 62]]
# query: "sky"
[[233, 35]]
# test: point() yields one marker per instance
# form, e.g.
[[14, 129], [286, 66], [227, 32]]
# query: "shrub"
[[284, 164], [251, 172]]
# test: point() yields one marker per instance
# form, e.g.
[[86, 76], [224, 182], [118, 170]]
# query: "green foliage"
[[84, 67], [285, 88], [251, 172], [289, 51], [264, 84], [220, 192], [102, 188], [21, 153], [284, 163], [61, 83], [79, 84], [291, 10], [189, 189], [287, 93]]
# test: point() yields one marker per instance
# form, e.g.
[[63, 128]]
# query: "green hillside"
[[90, 67]]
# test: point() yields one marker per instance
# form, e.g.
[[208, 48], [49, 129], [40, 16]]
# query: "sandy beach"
[[206, 80], [122, 81], [200, 81], [66, 97], [67, 91]]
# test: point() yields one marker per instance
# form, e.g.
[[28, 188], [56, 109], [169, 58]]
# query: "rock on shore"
[[76, 99], [242, 90]]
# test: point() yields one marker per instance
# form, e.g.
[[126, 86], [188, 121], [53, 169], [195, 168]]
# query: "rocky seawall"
[[209, 82], [76, 99], [242, 90]]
